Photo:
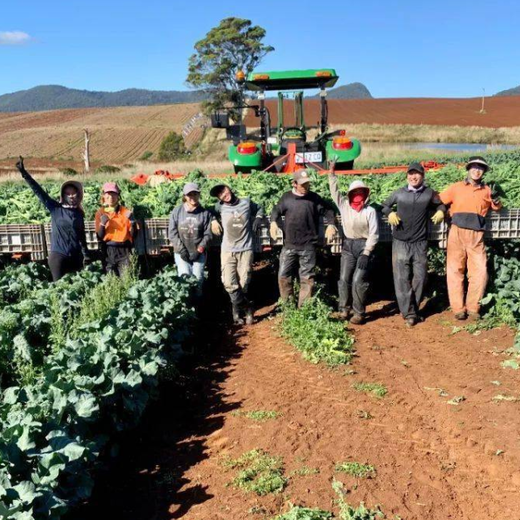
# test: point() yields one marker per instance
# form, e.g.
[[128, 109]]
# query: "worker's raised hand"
[[332, 164], [495, 193], [273, 231], [216, 228], [438, 217], [20, 166], [331, 232], [394, 219]]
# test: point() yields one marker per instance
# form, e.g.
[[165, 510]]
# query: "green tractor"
[[287, 148]]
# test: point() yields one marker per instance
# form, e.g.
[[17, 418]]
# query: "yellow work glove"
[[216, 228], [438, 217], [331, 232], [393, 219], [109, 209], [273, 231]]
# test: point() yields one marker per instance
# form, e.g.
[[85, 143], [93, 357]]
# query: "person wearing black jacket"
[[68, 241], [302, 210], [407, 210]]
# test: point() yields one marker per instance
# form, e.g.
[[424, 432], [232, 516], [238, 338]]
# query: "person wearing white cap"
[[68, 240], [189, 231], [469, 202], [116, 228], [359, 223], [302, 209]]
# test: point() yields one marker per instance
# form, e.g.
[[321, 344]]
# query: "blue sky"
[[397, 48]]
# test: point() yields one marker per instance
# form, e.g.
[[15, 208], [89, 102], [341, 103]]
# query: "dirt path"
[[434, 460]]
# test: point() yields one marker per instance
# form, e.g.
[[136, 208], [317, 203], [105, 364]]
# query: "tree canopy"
[[234, 45]]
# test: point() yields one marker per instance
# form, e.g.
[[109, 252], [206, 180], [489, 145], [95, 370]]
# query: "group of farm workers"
[[297, 217]]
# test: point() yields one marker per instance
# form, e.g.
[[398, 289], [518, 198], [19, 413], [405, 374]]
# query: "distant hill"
[[509, 92], [350, 91], [51, 97]]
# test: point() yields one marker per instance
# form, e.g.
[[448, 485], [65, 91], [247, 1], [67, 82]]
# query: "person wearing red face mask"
[[360, 229]]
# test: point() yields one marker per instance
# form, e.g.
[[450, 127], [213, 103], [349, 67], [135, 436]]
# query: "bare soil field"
[[442, 445], [500, 111], [118, 134]]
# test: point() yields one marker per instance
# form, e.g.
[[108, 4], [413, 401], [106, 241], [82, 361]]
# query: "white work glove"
[[216, 228], [273, 231], [331, 232]]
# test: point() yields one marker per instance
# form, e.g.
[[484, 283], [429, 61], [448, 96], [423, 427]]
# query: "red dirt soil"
[[434, 461], [500, 111]]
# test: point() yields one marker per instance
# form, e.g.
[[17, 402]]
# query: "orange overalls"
[[468, 206]]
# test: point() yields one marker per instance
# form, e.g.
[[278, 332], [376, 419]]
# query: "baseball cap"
[[111, 187], [189, 187], [416, 167], [301, 177], [476, 159]]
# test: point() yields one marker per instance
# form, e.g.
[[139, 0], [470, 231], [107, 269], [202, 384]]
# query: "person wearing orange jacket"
[[469, 202], [116, 228]]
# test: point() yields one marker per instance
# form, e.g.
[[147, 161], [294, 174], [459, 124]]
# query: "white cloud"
[[14, 38]]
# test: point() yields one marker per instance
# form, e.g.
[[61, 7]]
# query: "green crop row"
[[54, 427], [18, 204]]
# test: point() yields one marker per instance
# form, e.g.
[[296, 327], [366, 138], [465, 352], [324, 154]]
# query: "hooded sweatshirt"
[[356, 224], [67, 223]]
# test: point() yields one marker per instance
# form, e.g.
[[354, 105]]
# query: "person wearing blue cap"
[[189, 231]]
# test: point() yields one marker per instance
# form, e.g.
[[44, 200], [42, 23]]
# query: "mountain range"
[[53, 97]]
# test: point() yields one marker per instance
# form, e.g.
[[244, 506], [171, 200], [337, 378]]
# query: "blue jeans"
[[195, 268]]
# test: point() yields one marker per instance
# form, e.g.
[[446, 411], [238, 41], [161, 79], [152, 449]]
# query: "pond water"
[[459, 147]]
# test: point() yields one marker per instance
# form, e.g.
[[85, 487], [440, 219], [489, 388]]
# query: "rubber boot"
[[286, 288], [237, 320], [306, 285], [237, 302]]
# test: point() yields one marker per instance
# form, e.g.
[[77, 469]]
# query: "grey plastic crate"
[[504, 224], [23, 239]]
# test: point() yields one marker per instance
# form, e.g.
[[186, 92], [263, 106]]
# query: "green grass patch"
[[376, 389], [257, 415], [319, 337], [258, 472], [356, 469], [304, 471]]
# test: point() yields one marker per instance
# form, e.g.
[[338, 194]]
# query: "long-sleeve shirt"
[[302, 219], [469, 204], [412, 208], [120, 228], [356, 224], [67, 224], [189, 229], [237, 223]]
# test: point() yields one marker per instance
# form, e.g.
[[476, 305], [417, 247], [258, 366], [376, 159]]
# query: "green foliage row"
[[19, 205], [315, 334], [98, 382]]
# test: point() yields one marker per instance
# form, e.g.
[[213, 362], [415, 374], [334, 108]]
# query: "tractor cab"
[[288, 148]]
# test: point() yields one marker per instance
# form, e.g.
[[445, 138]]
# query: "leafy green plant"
[[376, 389], [305, 513], [258, 472], [356, 469], [313, 331], [257, 415], [348, 512]]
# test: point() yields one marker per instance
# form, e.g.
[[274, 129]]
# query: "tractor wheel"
[[347, 165]]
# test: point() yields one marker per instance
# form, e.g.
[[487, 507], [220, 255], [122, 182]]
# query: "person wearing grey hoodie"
[[361, 234], [68, 240]]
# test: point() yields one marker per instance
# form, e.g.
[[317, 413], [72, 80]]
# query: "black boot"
[[237, 320], [237, 303]]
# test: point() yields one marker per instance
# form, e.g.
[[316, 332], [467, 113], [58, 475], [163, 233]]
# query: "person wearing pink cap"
[[116, 228]]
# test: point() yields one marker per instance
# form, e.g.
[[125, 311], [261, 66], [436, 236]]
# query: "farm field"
[[121, 135], [435, 456], [500, 111], [118, 134]]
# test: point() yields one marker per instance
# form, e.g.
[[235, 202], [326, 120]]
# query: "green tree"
[[234, 45], [172, 147]]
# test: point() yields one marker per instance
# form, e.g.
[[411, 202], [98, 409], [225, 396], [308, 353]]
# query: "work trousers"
[[305, 261], [353, 282], [236, 270], [117, 259], [466, 251], [195, 268], [60, 265], [410, 268]]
